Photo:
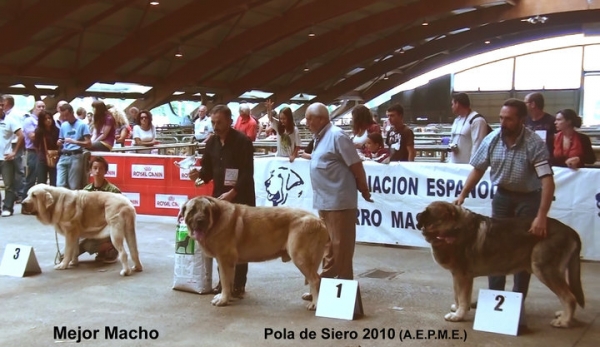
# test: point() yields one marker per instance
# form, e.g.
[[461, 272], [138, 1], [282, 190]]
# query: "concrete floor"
[[414, 296]]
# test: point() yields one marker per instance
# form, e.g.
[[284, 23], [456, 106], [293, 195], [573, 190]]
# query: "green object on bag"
[[184, 244]]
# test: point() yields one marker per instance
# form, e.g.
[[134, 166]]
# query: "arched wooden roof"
[[233, 46]]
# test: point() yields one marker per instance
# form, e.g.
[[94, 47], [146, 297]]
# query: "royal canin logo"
[[169, 201], [148, 171]]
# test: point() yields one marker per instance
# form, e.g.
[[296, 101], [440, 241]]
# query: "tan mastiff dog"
[[79, 214], [235, 233], [471, 245]]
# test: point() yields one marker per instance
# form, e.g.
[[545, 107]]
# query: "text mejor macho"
[[110, 333]]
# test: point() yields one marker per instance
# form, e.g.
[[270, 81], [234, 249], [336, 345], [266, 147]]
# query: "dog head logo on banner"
[[282, 182]]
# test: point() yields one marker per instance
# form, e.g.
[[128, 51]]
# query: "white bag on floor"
[[193, 271]]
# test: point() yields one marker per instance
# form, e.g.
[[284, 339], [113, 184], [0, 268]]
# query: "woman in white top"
[[145, 133], [288, 136], [363, 124]]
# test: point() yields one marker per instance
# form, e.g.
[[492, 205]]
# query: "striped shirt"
[[514, 168]]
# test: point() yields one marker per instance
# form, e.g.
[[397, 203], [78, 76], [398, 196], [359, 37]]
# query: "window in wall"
[[591, 58], [556, 69], [494, 76], [591, 99]]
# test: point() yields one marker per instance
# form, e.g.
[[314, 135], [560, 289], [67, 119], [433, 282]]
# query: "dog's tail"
[[575, 276]]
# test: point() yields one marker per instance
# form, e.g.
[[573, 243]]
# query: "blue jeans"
[[507, 204], [69, 171], [44, 171], [8, 176], [32, 170]]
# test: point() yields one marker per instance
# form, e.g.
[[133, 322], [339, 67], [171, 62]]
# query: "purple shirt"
[[109, 140], [29, 126]]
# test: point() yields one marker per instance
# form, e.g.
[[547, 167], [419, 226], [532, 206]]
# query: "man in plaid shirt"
[[519, 167]]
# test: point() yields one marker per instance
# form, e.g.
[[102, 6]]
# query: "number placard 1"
[[339, 299], [19, 260], [498, 312]]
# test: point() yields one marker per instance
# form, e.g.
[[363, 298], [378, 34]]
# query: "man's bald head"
[[317, 110], [317, 117], [59, 104]]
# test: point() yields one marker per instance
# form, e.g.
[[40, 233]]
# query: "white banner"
[[401, 190]]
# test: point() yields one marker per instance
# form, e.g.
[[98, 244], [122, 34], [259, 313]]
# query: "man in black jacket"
[[228, 161]]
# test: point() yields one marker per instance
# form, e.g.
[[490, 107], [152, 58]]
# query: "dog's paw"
[[453, 308], [137, 268], [125, 272], [73, 263], [219, 300], [560, 321], [453, 317], [311, 306]]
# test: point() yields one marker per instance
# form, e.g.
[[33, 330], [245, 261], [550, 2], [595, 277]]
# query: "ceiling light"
[[178, 54], [401, 50], [487, 42], [385, 77], [306, 69], [424, 23], [535, 19], [154, 3], [311, 33]]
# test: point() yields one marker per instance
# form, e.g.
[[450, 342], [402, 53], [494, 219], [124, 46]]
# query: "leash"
[[59, 256]]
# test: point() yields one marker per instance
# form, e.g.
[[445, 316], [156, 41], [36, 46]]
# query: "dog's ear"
[[215, 212], [181, 214], [48, 200], [422, 218]]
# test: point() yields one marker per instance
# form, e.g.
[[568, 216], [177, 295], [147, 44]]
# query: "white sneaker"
[[6, 213]]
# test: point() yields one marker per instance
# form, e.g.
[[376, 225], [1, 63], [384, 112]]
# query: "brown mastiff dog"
[[234, 233], [471, 245], [79, 214]]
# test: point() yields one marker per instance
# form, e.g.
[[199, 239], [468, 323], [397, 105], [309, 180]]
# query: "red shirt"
[[247, 126]]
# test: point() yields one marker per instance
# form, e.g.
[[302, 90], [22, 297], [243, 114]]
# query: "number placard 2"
[[498, 312], [18, 261], [339, 299]]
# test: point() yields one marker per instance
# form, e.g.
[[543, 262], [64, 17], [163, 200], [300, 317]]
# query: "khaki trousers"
[[339, 251]]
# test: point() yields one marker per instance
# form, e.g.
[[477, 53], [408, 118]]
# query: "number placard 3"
[[338, 299], [19, 260], [498, 312]]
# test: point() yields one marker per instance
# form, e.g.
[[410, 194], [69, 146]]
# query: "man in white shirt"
[[202, 124], [19, 117], [9, 128], [467, 130]]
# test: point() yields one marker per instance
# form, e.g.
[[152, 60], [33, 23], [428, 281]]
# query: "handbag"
[[51, 155]]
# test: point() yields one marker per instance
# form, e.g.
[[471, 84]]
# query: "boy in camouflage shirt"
[[104, 247]]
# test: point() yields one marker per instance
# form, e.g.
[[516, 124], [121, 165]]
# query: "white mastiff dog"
[[79, 214]]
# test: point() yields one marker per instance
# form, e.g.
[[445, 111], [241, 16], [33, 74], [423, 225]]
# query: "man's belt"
[[67, 153]]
